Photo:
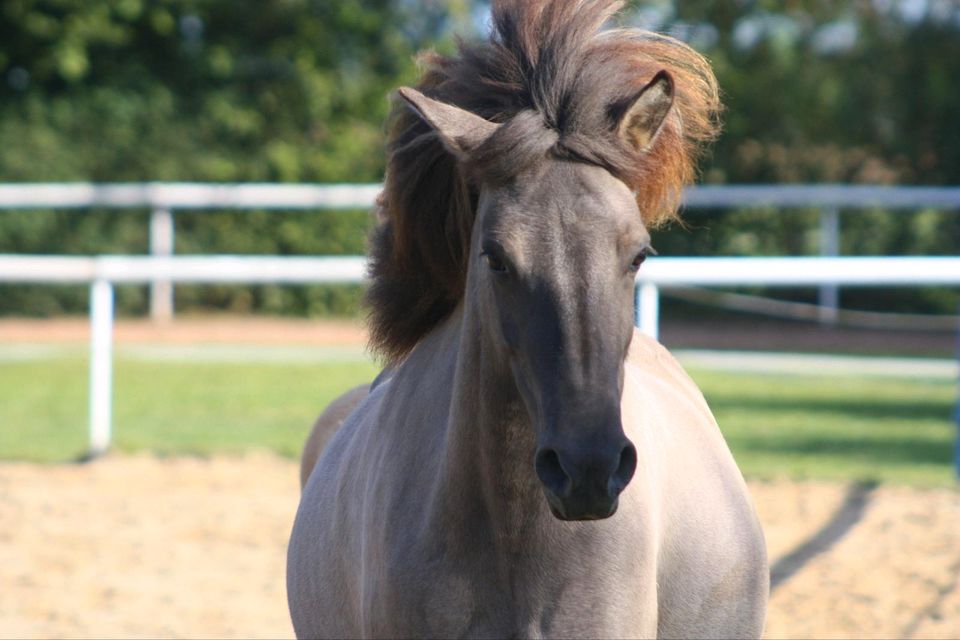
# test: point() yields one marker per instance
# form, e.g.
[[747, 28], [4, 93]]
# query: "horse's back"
[[353, 509], [712, 569], [322, 576]]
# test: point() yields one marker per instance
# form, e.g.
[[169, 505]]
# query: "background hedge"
[[296, 91]]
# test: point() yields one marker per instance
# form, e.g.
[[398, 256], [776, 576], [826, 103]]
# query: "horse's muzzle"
[[585, 487]]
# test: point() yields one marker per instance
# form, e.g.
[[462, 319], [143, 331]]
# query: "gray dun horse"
[[528, 465]]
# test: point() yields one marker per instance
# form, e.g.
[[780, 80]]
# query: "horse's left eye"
[[494, 263]]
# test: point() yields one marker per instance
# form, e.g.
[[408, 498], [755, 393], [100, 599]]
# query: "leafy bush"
[[296, 91]]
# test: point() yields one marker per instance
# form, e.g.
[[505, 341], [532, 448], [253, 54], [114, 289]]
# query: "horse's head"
[[555, 247]]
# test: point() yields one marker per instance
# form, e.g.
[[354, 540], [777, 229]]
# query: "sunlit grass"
[[843, 428], [169, 407], [836, 427]]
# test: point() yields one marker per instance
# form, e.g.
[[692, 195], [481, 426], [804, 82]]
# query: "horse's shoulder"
[[355, 413], [649, 359], [713, 562], [327, 425]]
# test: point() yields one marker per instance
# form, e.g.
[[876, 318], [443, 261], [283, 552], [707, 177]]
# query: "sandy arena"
[[139, 546]]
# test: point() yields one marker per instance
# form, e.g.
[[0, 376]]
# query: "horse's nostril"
[[551, 473], [625, 469]]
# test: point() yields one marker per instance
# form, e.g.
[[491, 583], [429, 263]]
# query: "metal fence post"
[[646, 306], [829, 295], [161, 244], [101, 365]]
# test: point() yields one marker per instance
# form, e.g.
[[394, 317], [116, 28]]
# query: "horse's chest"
[[420, 594], [481, 597]]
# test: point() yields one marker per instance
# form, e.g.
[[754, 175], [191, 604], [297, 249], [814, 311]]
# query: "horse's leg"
[[326, 425]]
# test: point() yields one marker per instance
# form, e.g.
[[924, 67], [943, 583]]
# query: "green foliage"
[[203, 90], [296, 91], [846, 92], [830, 92]]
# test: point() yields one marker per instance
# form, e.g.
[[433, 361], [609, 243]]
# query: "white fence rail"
[[103, 272], [199, 195], [163, 199], [206, 269], [161, 269], [186, 195]]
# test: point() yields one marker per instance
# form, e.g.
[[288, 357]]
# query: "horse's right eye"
[[494, 263]]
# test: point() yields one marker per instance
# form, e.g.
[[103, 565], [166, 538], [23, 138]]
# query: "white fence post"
[[956, 444], [647, 309], [829, 295], [101, 365], [161, 244]]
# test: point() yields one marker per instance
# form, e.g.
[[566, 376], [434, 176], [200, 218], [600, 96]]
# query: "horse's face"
[[554, 251], [553, 261]]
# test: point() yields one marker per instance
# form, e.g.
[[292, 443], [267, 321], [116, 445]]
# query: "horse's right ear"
[[460, 130]]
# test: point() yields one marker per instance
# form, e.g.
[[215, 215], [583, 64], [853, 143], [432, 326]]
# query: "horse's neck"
[[489, 480]]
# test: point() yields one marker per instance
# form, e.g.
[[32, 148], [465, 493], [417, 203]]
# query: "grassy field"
[[897, 430], [169, 407], [837, 427]]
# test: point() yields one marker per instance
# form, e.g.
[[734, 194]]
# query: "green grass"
[[168, 407], [837, 428]]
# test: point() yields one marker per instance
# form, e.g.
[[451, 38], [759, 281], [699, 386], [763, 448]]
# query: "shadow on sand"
[[849, 513]]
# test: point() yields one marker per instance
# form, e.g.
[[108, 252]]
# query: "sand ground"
[[140, 546]]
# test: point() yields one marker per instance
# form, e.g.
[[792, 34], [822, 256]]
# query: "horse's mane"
[[561, 83]]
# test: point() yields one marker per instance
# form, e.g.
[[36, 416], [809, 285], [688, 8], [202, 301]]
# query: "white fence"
[[163, 199], [103, 272]]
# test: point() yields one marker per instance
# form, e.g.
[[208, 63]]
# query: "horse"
[[527, 464], [326, 426]]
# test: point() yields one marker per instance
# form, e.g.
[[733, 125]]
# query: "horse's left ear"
[[460, 130], [646, 112]]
